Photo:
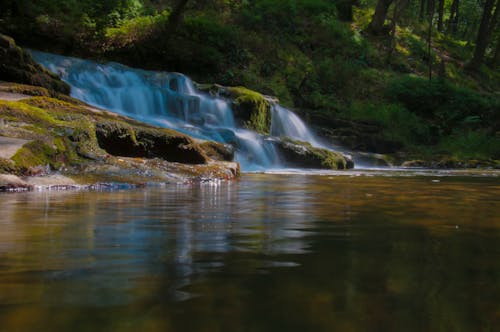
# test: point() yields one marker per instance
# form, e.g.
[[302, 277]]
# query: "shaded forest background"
[[424, 73]]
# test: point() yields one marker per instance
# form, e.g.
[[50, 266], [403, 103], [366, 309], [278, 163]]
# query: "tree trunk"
[[493, 26], [399, 7], [482, 37], [431, 7], [440, 15], [422, 10], [376, 26], [344, 8], [453, 20], [494, 20], [495, 62], [176, 16], [430, 11]]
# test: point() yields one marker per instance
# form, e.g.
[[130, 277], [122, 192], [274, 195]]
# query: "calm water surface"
[[271, 252]]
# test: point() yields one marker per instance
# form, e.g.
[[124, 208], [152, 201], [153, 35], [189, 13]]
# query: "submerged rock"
[[304, 155]]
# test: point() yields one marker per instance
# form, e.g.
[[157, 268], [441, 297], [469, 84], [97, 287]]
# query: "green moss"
[[21, 111], [84, 135], [24, 89], [36, 153], [60, 109], [329, 159], [252, 108]]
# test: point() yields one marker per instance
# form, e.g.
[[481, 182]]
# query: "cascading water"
[[287, 123], [170, 100]]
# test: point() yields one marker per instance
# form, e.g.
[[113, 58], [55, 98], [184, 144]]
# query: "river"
[[338, 251]]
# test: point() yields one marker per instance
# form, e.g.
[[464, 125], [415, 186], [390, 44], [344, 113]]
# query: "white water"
[[170, 100], [286, 123]]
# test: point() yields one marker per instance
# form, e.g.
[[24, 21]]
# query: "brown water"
[[359, 252]]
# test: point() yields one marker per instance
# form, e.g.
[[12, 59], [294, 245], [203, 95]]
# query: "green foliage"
[[478, 144], [133, 30], [399, 124], [445, 105], [283, 16]]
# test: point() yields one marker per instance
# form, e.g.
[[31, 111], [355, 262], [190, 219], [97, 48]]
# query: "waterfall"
[[170, 100], [286, 123]]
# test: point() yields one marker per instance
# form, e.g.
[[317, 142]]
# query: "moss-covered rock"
[[122, 139], [16, 65], [72, 137], [251, 108], [304, 155], [36, 157]]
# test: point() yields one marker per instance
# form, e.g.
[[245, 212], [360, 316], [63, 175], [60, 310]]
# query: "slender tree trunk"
[[430, 11], [399, 7], [453, 20], [495, 62], [494, 20], [440, 15], [376, 26], [431, 7], [344, 8], [422, 10], [493, 25], [176, 16], [482, 37]]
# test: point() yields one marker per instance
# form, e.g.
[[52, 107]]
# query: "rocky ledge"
[[304, 155], [48, 139]]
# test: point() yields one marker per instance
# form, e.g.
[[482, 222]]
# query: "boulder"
[[304, 155], [122, 139], [218, 151], [250, 108]]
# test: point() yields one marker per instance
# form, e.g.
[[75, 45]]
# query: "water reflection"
[[269, 253]]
